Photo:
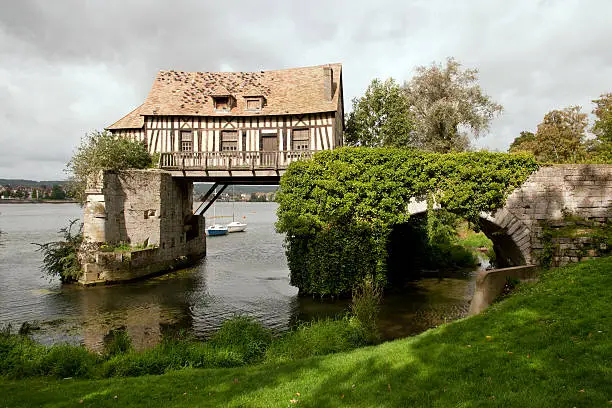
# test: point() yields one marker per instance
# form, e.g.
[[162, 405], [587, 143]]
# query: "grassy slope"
[[549, 346]]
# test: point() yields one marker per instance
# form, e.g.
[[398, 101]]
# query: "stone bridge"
[[561, 211], [561, 214]]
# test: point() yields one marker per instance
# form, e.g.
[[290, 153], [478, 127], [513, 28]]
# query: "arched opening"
[[507, 252], [408, 252]]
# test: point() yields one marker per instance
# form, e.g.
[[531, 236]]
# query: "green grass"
[[548, 345], [240, 341]]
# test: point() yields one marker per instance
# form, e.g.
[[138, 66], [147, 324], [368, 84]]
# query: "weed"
[[365, 307], [117, 342]]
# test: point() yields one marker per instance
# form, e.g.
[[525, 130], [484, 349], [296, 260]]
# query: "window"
[[229, 140], [186, 141], [300, 139], [222, 103], [253, 104]]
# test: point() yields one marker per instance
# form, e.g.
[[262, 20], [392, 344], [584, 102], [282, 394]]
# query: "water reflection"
[[243, 274]]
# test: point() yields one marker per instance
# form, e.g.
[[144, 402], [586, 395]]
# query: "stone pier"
[[139, 223]]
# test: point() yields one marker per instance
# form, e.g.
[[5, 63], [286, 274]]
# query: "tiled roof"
[[133, 120], [287, 91]]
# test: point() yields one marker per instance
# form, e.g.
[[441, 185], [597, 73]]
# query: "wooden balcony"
[[233, 167]]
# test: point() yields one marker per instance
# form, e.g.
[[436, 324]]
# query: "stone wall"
[[147, 209], [560, 213]]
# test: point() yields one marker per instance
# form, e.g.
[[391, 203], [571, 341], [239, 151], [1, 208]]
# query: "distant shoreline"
[[11, 201]]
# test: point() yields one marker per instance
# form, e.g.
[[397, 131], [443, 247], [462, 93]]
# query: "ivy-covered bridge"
[[339, 209], [564, 209]]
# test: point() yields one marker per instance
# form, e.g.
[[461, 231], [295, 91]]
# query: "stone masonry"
[[145, 209], [560, 209], [542, 214]]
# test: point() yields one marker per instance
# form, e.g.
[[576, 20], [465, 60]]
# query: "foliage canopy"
[[446, 102], [560, 137], [337, 210], [380, 118], [602, 146], [435, 111], [103, 151]]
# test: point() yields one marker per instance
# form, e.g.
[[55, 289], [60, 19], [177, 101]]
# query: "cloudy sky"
[[71, 66]]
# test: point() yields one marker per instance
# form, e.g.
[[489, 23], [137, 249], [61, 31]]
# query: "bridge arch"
[[510, 236]]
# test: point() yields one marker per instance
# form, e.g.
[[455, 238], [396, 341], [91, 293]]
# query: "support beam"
[[199, 210]]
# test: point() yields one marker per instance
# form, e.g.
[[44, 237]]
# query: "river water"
[[242, 274]]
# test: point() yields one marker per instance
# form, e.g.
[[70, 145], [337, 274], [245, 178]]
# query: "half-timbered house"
[[243, 124]]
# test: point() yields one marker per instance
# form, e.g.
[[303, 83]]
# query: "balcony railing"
[[231, 160]]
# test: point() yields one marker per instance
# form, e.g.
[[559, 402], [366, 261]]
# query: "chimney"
[[328, 83]]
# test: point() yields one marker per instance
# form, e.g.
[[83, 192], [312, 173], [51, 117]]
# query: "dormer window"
[[222, 103], [253, 104]]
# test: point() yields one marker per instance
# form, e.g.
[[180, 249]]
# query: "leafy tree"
[[446, 102], [380, 118], [103, 151], [560, 138], [524, 143], [57, 193], [602, 145]]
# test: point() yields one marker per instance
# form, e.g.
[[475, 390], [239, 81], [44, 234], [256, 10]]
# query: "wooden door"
[[269, 150]]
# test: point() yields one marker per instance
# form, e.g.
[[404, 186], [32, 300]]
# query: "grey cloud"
[[73, 66]]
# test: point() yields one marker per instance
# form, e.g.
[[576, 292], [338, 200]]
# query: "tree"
[[602, 145], [526, 142], [103, 151], [446, 102], [560, 137], [381, 117], [57, 193]]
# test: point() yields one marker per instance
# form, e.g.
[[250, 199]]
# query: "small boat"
[[236, 226], [216, 229]]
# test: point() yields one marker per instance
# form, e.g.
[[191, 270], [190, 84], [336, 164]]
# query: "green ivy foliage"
[[338, 209]]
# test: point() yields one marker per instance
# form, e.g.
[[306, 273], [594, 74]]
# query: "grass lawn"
[[548, 345]]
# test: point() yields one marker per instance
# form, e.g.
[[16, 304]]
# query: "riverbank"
[[547, 345]]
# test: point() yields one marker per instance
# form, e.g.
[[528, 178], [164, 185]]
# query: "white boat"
[[236, 226], [216, 229]]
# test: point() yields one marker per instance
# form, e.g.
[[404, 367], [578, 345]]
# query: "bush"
[[22, 357], [103, 151], [65, 360], [244, 336], [171, 355], [117, 342], [60, 258], [317, 339]]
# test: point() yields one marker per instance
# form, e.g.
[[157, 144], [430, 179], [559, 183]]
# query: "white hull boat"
[[236, 226]]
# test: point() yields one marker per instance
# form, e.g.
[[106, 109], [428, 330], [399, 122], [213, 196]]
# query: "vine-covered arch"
[[337, 209], [506, 241]]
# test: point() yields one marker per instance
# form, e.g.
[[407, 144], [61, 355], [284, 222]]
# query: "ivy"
[[338, 209]]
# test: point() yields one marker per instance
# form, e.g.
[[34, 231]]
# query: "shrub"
[[117, 342], [60, 257], [244, 336], [317, 339], [103, 151], [65, 360]]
